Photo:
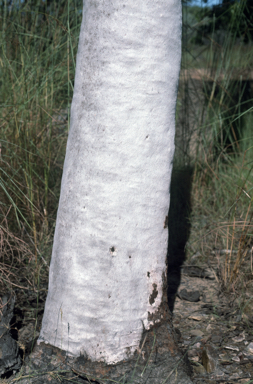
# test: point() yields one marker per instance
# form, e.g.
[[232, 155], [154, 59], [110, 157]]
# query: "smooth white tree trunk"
[[109, 255]]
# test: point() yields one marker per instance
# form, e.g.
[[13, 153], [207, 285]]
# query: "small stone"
[[194, 271], [196, 332], [197, 346], [216, 339], [205, 339], [192, 353], [209, 381], [231, 348], [234, 376], [209, 358], [231, 328], [219, 373], [27, 337], [48, 351], [249, 348], [238, 339], [236, 359], [209, 328], [178, 334], [192, 296], [199, 369], [225, 359], [197, 318]]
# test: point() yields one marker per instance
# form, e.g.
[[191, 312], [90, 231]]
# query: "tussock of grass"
[[37, 65], [16, 254], [218, 115]]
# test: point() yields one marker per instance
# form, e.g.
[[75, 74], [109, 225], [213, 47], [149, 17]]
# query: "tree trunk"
[[107, 283]]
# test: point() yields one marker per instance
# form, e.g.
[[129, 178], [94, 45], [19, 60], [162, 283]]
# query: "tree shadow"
[[178, 226]]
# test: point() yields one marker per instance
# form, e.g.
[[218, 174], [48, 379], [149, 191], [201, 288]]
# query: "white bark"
[[110, 244]]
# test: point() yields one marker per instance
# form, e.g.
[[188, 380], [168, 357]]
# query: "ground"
[[214, 329]]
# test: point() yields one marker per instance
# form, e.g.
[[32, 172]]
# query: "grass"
[[37, 66], [217, 129]]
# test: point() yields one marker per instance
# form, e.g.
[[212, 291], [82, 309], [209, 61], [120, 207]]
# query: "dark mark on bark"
[[154, 294]]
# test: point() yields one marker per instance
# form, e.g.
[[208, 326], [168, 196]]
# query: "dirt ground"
[[214, 328], [215, 331]]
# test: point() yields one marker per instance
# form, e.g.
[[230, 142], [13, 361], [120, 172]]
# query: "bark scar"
[[153, 295]]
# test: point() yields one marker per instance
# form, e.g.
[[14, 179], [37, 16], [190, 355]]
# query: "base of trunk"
[[158, 361]]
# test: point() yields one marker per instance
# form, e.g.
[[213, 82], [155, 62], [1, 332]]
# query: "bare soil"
[[216, 331]]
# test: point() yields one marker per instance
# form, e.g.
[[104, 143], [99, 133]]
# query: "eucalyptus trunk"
[[108, 269]]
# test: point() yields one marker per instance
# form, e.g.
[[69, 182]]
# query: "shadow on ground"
[[179, 227]]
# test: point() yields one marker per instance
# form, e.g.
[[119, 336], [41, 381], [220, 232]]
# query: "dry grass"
[[37, 64], [17, 257]]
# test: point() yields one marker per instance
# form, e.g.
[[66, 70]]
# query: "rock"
[[216, 339], [27, 337], [210, 358], [10, 360], [196, 332], [224, 359], [232, 347], [178, 334], [192, 353], [199, 369], [192, 296], [210, 328], [249, 348], [236, 359], [234, 376], [239, 339], [194, 271], [198, 317]]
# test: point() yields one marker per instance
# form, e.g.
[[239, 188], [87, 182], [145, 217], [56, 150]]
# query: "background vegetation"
[[215, 137], [214, 133], [37, 65]]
